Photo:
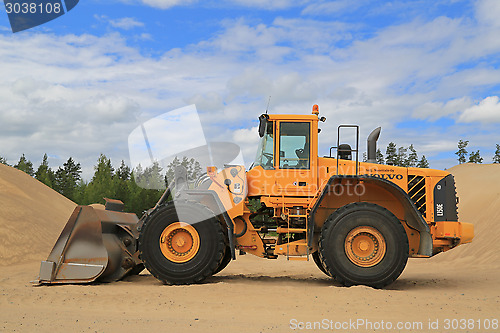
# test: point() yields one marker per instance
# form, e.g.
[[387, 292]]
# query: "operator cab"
[[287, 154], [294, 144]]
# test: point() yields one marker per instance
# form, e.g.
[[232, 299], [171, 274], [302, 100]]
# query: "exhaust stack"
[[372, 145]]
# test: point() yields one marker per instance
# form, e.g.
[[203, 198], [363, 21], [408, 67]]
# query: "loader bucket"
[[95, 245]]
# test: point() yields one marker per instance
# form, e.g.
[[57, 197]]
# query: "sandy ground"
[[456, 291]]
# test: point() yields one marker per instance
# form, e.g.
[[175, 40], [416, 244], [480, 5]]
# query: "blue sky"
[[426, 71]]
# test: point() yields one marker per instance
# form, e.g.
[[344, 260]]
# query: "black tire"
[[317, 261], [225, 261], [333, 248], [211, 243]]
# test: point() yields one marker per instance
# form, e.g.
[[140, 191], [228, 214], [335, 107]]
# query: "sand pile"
[[32, 216], [478, 189]]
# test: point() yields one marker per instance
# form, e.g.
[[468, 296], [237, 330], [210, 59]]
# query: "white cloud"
[[261, 4], [81, 95], [211, 101], [436, 110], [79, 101], [487, 111], [246, 135], [332, 7], [488, 12], [266, 4], [144, 37], [165, 4], [275, 42], [248, 140], [126, 23], [438, 146]]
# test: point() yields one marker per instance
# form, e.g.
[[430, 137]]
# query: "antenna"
[[268, 102]]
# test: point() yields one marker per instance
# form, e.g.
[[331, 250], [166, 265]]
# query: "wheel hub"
[[179, 242], [365, 246]]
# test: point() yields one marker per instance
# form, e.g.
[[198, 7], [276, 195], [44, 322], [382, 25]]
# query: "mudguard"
[[412, 215]]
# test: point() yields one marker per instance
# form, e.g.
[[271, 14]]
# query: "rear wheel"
[[363, 243], [182, 243]]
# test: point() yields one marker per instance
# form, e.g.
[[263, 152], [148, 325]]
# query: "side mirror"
[[262, 124], [282, 153]]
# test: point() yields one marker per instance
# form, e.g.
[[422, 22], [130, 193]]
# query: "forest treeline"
[[138, 189], [141, 188]]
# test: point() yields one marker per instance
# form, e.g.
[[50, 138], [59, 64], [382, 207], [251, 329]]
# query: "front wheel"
[[317, 260], [225, 261], [182, 243], [363, 243]]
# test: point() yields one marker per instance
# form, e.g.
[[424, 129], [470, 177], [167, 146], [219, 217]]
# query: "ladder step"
[[282, 230], [299, 258]]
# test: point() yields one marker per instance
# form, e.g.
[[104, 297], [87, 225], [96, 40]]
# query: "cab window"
[[294, 145], [265, 152]]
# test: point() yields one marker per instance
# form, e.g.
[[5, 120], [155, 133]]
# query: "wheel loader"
[[358, 221]]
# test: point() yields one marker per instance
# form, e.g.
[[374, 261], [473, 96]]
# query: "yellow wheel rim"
[[179, 242], [365, 246]]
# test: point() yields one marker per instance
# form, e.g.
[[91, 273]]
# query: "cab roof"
[[292, 117]]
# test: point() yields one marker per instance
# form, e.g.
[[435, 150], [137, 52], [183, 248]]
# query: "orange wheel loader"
[[359, 221]]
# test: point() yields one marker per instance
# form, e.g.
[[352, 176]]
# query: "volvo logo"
[[388, 176]]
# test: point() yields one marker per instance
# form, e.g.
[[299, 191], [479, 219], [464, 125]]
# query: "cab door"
[[295, 173]]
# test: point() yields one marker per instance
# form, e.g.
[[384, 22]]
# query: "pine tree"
[[80, 193], [412, 159], [123, 172], [401, 157], [3, 161], [423, 163], [134, 196], [475, 157], [391, 154], [139, 198], [153, 178], [186, 164], [44, 174], [101, 186], [496, 158], [25, 165], [462, 152], [67, 178], [194, 170], [120, 180], [170, 174], [380, 157]]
